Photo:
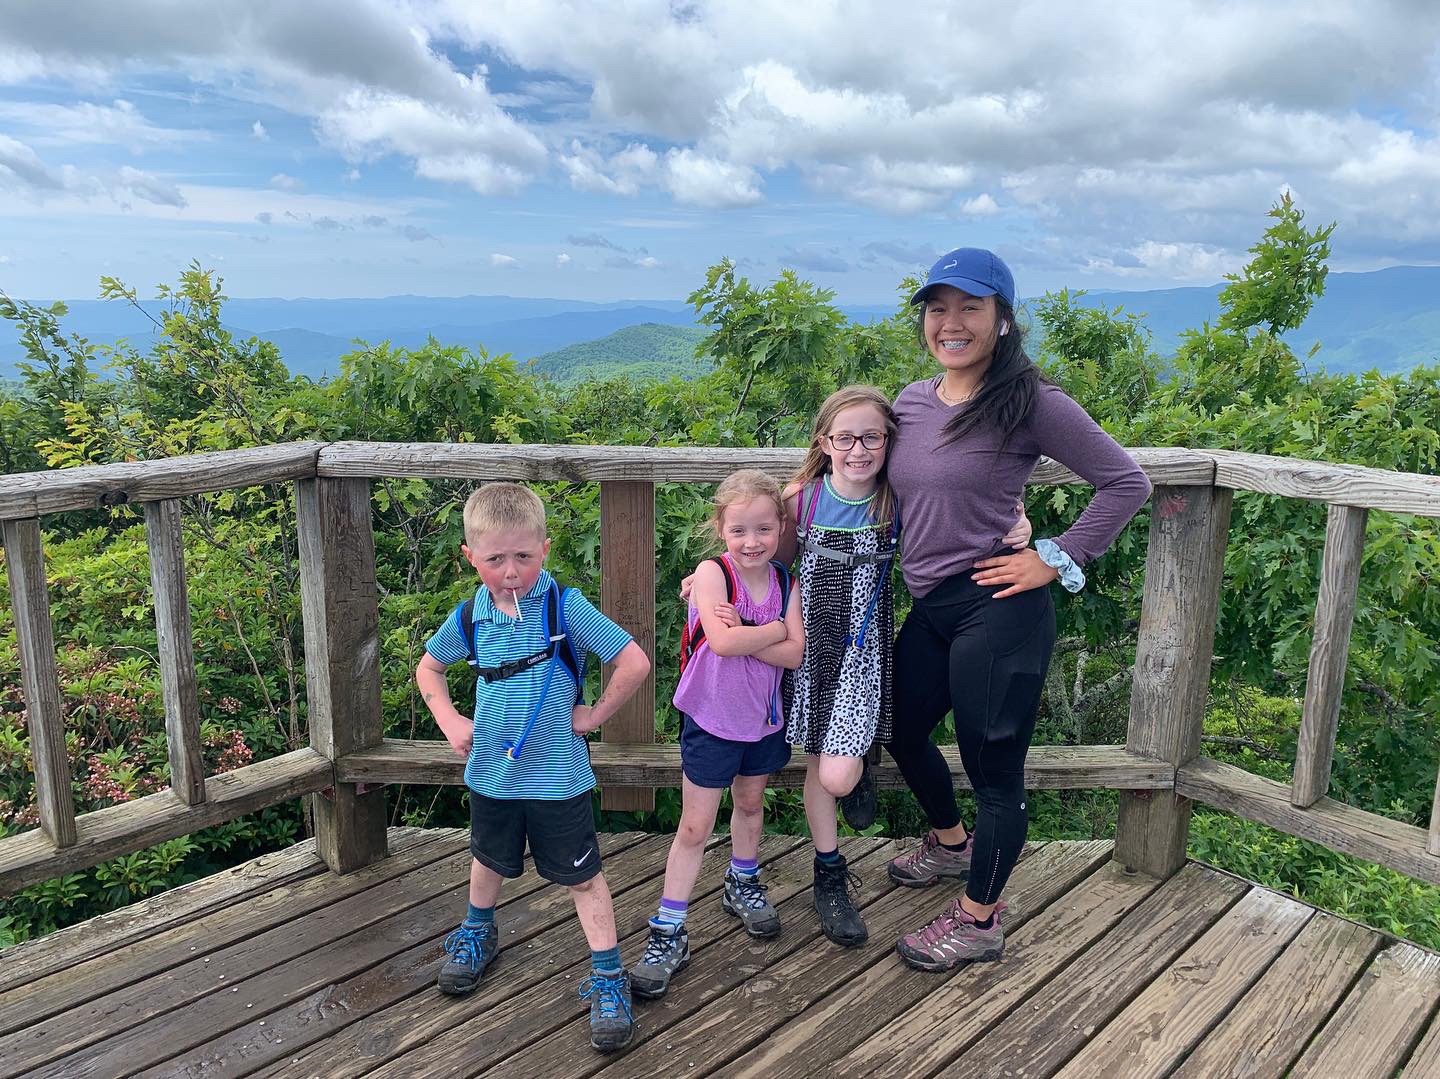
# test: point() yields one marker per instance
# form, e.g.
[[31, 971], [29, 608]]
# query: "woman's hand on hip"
[[1022, 572]]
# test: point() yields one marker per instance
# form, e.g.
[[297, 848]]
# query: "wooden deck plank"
[[1064, 887], [750, 1011], [983, 994], [727, 959], [1262, 1035], [519, 1019], [1375, 1027], [1098, 984], [1175, 1011], [67, 988], [1424, 1063], [289, 962], [23, 963], [400, 992], [1104, 973]]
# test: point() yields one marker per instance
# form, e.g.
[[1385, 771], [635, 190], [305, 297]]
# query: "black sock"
[[987, 923], [957, 847]]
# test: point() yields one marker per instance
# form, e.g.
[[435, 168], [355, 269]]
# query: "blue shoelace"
[[612, 999], [467, 944]]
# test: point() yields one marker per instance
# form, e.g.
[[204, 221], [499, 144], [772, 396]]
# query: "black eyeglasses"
[[871, 440]]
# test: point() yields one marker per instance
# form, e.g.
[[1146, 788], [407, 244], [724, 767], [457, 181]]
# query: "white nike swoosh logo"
[[583, 858], [950, 265]]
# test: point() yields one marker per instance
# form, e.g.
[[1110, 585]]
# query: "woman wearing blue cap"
[[979, 636]]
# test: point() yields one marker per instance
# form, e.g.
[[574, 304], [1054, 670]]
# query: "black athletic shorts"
[[561, 834]]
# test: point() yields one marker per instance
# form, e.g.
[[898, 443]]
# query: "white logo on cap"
[[951, 263]]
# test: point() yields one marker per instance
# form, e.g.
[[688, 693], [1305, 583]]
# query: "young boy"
[[527, 765]]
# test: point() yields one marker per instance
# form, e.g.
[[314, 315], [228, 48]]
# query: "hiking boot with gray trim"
[[839, 920], [953, 939], [929, 862], [860, 805], [746, 899], [666, 955], [612, 1024], [469, 951]]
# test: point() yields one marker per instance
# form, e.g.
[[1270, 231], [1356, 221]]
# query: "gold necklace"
[[940, 389]]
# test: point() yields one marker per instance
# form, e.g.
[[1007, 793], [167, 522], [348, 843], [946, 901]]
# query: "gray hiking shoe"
[[666, 955], [839, 920], [469, 952], [930, 861], [611, 1023], [746, 899], [953, 939]]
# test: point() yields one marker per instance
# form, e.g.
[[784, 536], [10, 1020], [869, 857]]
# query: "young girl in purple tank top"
[[743, 627]]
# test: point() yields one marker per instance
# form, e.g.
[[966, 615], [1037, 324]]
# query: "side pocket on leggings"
[[1022, 621]]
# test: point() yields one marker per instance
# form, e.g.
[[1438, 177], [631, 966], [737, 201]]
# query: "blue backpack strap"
[[465, 626], [783, 572], [569, 654]]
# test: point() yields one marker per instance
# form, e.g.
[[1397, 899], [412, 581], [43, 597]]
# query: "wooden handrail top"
[[31, 494], [404, 760]]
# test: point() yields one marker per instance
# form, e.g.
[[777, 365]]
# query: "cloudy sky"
[[615, 149]]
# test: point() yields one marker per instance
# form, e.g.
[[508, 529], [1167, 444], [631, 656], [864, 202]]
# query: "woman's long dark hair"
[[1007, 394]]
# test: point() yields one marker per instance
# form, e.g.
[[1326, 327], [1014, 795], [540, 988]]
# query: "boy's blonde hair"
[[498, 506], [744, 486], [817, 461]]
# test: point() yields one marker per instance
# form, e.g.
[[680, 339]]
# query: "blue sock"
[[607, 961], [828, 857], [475, 917], [672, 911], [744, 867]]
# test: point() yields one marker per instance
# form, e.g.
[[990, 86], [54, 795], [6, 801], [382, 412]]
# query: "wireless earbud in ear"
[[1004, 328]]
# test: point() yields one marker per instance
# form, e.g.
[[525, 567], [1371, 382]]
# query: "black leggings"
[[985, 659]]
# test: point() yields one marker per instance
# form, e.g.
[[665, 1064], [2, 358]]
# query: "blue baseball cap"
[[973, 270]]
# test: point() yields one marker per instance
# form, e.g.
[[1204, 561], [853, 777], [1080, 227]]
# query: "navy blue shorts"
[[710, 761]]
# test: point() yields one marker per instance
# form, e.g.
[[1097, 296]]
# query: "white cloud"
[[623, 173], [477, 144], [503, 261], [982, 205], [143, 185], [119, 124], [695, 178], [257, 129], [286, 182], [562, 259]]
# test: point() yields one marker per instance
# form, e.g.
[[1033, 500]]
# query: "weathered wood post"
[[1329, 651], [44, 716], [1189, 528], [175, 643], [342, 659], [627, 594]]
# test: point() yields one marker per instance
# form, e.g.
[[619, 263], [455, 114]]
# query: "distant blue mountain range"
[[1389, 319]]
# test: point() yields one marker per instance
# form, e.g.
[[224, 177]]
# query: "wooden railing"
[[1159, 772]]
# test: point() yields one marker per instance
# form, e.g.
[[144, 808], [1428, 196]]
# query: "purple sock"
[[745, 867], [673, 911]]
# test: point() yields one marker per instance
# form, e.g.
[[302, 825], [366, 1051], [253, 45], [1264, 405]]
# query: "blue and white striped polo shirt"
[[554, 763]]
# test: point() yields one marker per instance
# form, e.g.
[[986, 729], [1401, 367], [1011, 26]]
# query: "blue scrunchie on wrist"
[[1072, 579]]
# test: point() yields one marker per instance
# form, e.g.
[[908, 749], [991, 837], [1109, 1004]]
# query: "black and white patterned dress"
[[840, 697]]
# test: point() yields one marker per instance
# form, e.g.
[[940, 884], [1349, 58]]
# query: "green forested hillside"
[[647, 351], [779, 348]]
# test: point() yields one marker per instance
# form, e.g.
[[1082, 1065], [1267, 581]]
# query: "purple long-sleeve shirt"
[[957, 500]]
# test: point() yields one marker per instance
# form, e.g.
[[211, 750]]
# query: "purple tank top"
[[731, 696]]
